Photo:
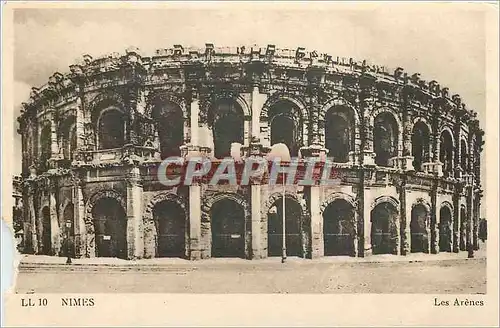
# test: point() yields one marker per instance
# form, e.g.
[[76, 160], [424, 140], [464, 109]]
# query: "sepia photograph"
[[266, 149]]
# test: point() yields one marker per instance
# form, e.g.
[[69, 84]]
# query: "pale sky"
[[441, 42]]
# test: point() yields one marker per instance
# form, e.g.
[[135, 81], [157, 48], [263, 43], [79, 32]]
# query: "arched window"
[[339, 134], [111, 129], [420, 145], [446, 152], [170, 123], [228, 127], [45, 147], [463, 155], [385, 138], [285, 123], [67, 135]]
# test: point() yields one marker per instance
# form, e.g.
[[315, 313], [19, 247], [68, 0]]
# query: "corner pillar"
[[135, 241], [257, 243], [31, 210], [194, 222], [317, 242], [54, 222], [79, 221]]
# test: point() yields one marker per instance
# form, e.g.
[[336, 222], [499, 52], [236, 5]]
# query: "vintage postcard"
[[250, 163]]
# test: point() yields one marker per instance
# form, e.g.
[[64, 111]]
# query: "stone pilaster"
[[79, 120], [54, 147], [404, 231], [407, 157], [317, 243], [79, 218], [359, 215], [463, 231], [31, 210], [194, 222], [456, 220], [434, 226], [366, 210], [475, 221], [135, 241], [256, 108], [367, 150], [397, 249], [55, 230], [470, 206], [194, 119], [257, 244]]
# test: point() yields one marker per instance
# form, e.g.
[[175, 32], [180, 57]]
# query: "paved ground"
[[442, 273]]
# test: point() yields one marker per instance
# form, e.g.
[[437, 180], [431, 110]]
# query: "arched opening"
[[445, 229], [420, 145], [293, 229], [111, 129], [170, 221], [228, 229], [385, 138], [339, 133], [446, 153], [170, 124], [418, 229], [463, 228], [69, 239], [384, 232], [338, 228], [463, 155], [67, 135], [45, 147], [228, 127], [46, 232], [285, 123], [110, 224]]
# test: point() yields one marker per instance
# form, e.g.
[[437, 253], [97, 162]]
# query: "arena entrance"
[[228, 229], [46, 235], [338, 228], [110, 222], [418, 229], [293, 214], [170, 221], [384, 232], [445, 229]]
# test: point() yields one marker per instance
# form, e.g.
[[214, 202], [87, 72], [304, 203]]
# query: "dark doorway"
[[110, 224], [170, 221], [293, 214], [418, 229], [46, 232], [384, 232], [338, 228], [445, 229], [228, 229]]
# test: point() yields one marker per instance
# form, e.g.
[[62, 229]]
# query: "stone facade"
[[406, 150]]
